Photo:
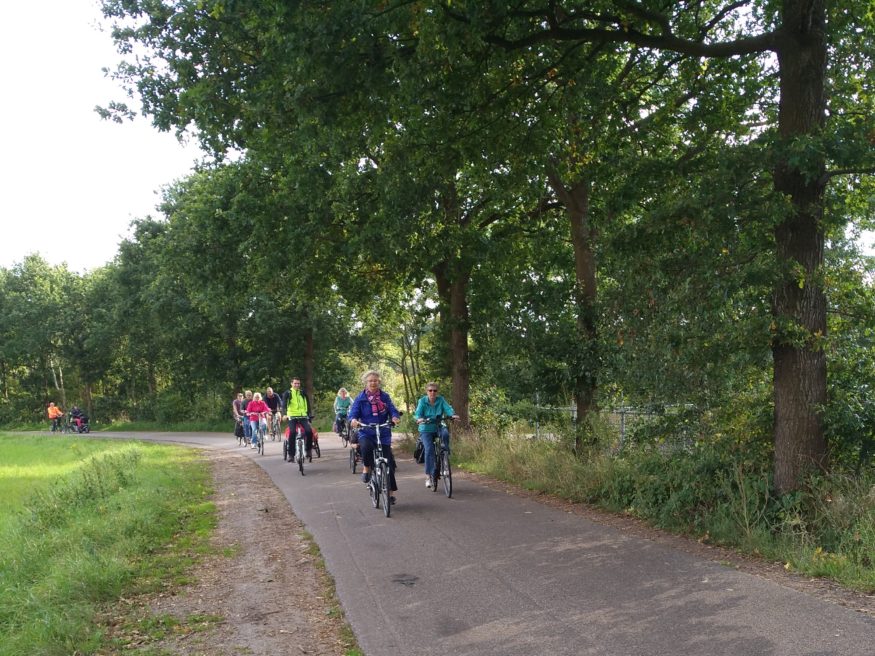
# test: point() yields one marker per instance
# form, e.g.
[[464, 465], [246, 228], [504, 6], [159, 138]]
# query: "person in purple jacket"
[[374, 406]]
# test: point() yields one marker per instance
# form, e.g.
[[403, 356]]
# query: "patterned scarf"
[[377, 405]]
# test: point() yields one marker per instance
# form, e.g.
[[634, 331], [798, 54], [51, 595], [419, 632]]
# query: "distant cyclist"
[[374, 406], [238, 411], [247, 427], [55, 414], [256, 410], [275, 403], [341, 409], [297, 405], [431, 406]]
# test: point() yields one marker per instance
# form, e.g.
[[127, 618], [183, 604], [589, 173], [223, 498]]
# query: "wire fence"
[[623, 419]]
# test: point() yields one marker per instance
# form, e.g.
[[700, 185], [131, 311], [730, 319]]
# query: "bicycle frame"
[[441, 467], [378, 485]]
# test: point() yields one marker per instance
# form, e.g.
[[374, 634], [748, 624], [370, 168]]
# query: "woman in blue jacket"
[[430, 407], [374, 406]]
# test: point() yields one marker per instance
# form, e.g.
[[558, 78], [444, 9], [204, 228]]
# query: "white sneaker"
[[428, 482]]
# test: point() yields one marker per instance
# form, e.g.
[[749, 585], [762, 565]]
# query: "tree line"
[[619, 202]]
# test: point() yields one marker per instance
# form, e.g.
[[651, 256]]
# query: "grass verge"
[[121, 519], [329, 591]]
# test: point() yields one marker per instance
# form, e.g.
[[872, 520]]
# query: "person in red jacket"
[[257, 411]]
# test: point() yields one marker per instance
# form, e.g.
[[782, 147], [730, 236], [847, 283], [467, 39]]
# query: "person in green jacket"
[[297, 405], [428, 410]]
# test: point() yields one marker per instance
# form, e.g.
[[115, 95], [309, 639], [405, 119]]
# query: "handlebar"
[[435, 420], [376, 426]]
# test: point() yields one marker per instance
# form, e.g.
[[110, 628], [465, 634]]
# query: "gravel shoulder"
[[263, 591]]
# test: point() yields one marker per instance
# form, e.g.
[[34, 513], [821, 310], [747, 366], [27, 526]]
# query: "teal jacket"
[[425, 410]]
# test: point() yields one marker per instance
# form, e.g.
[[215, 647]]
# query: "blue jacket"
[[361, 410], [425, 410]]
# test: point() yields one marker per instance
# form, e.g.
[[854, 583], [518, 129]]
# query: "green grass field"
[[85, 521]]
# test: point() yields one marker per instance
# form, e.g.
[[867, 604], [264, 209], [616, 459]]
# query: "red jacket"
[[255, 407]]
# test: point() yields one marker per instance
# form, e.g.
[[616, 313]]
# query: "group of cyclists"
[[371, 414], [256, 415], [78, 419]]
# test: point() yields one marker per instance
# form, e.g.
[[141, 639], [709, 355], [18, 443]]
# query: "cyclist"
[[55, 414], [374, 406], [430, 406], [256, 409], [297, 405], [247, 427], [237, 411], [275, 403], [79, 418], [341, 409]]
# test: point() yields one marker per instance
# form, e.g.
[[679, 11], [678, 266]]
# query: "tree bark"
[[799, 301], [585, 374], [453, 293], [309, 364]]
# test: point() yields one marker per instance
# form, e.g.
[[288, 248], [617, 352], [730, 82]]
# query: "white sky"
[[70, 182]]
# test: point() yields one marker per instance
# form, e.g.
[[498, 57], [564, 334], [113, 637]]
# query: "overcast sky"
[[71, 182]]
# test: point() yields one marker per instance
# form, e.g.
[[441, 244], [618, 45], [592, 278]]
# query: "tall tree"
[[796, 32]]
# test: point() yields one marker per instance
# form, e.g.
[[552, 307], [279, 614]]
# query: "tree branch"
[[829, 175]]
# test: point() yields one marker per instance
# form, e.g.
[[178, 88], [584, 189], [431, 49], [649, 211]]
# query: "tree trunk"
[[585, 373], [453, 293], [63, 388], [309, 364], [799, 301]]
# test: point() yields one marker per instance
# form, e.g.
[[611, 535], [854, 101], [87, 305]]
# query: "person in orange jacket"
[[55, 414]]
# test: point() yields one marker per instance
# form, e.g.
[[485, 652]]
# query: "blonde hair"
[[342, 389], [256, 396]]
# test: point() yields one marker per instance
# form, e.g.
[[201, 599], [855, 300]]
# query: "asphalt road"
[[487, 573]]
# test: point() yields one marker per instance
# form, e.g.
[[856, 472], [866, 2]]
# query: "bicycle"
[[343, 431], [315, 448], [442, 470], [260, 433], [299, 446], [276, 430], [355, 457], [378, 484]]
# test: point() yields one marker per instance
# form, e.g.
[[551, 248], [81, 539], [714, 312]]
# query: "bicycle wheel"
[[299, 455], [261, 437], [383, 476], [352, 460], [374, 490], [344, 437], [317, 449], [446, 473]]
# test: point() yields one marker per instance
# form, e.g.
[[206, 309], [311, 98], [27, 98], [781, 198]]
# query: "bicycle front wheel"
[[383, 477], [299, 456], [352, 460], [446, 474], [374, 489]]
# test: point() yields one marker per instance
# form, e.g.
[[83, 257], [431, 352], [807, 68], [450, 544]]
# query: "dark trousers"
[[293, 432], [368, 445]]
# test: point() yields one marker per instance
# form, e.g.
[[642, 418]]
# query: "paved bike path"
[[490, 573]]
